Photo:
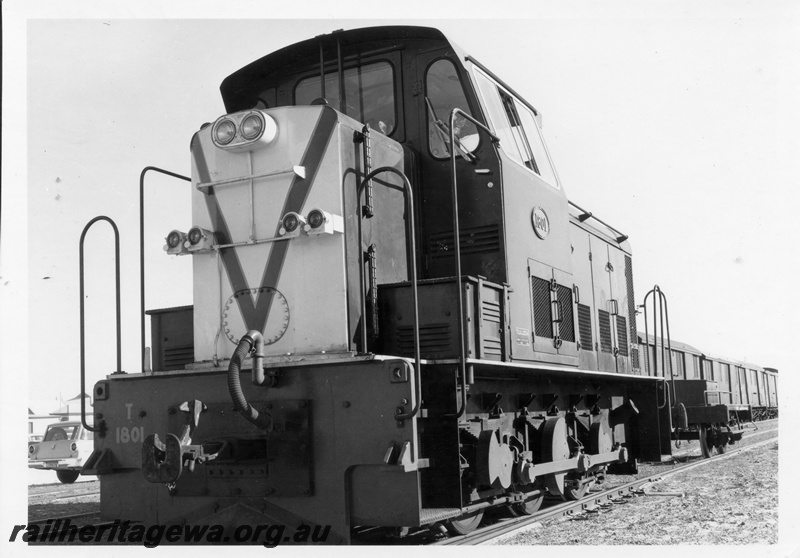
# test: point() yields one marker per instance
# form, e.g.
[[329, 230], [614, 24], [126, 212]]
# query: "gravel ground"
[[734, 501]]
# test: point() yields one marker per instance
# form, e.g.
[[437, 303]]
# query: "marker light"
[[252, 126], [199, 240], [322, 222], [31, 449], [291, 225], [224, 131], [175, 243], [73, 446]]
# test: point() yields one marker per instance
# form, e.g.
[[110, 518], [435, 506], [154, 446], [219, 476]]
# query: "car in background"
[[66, 445]]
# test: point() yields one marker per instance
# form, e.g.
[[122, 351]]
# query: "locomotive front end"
[[268, 211], [276, 250]]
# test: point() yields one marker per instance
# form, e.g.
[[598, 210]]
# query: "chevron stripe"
[[255, 310]]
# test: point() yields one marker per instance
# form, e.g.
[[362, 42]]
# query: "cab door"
[[441, 84]]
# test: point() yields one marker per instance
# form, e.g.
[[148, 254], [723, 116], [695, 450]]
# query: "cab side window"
[[515, 124], [443, 93]]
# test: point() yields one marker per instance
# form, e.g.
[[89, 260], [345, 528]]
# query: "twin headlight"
[[196, 240], [316, 222], [243, 131]]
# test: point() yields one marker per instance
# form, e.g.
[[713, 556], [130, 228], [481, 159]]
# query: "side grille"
[[585, 327], [492, 347], [567, 328], [604, 321], [491, 313], [176, 357], [622, 335], [433, 338], [473, 241], [490, 310], [635, 357], [542, 311]]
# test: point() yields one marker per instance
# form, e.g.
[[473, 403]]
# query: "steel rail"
[[59, 495], [592, 501]]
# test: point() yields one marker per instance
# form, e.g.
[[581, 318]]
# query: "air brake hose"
[[251, 340]]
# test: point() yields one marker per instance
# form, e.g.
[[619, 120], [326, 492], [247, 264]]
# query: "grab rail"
[[82, 320], [457, 247], [141, 244], [410, 231], [662, 313], [588, 215]]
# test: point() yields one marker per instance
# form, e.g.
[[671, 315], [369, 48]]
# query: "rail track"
[[47, 493], [592, 501]]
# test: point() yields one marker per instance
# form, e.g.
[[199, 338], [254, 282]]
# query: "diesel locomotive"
[[399, 319]]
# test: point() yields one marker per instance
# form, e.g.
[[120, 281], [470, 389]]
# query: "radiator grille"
[[432, 338], [585, 326], [567, 328], [474, 240], [622, 335], [604, 322], [542, 310], [175, 358]]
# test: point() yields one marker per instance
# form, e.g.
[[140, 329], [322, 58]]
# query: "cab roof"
[[236, 87]]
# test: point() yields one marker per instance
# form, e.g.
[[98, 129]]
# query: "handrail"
[[663, 314], [82, 321], [412, 256], [588, 215], [141, 243], [457, 248]]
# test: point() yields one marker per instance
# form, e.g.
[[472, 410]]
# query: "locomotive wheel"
[[577, 493], [707, 438], [465, 524], [68, 476], [601, 439], [555, 447], [529, 507]]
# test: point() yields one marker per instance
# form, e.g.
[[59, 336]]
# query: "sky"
[[675, 122]]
